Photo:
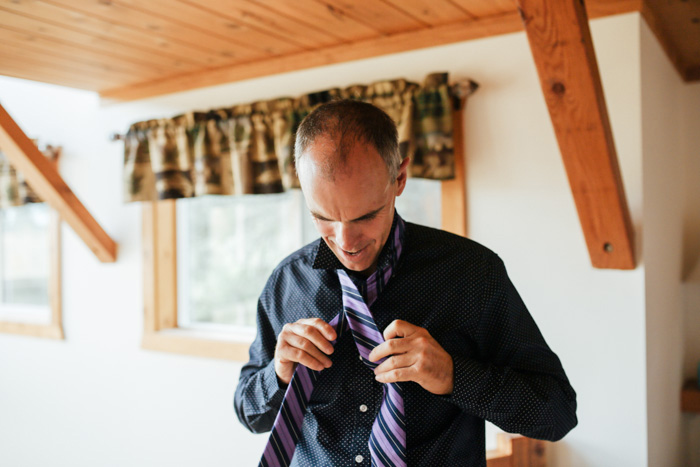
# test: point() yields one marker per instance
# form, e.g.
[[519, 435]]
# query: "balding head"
[[336, 127]]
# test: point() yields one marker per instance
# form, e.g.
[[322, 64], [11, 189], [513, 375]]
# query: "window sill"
[[46, 331], [199, 343]]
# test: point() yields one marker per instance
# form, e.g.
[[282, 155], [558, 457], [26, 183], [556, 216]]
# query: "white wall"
[[663, 162], [520, 204], [98, 399]]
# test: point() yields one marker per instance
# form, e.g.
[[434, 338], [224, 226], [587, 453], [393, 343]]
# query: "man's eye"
[[368, 218]]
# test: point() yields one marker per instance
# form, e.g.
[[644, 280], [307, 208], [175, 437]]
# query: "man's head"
[[350, 169]]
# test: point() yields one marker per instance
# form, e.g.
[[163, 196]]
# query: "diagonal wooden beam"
[[45, 180], [563, 51]]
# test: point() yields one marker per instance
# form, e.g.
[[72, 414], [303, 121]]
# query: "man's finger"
[[313, 334], [289, 353], [309, 347], [390, 347], [399, 328], [394, 362], [325, 328], [396, 376]]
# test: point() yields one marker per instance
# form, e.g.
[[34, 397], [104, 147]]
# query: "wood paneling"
[[563, 51], [363, 49], [101, 37], [227, 20], [482, 8], [158, 46], [597, 9], [382, 17], [435, 13], [39, 71], [196, 25], [323, 16], [191, 42], [37, 43], [43, 60]]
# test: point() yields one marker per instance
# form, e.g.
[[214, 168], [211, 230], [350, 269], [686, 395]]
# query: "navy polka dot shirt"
[[459, 291]]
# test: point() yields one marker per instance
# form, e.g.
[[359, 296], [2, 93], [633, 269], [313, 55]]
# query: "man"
[[459, 345]]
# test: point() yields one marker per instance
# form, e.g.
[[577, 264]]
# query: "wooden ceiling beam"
[[45, 180], [562, 48]]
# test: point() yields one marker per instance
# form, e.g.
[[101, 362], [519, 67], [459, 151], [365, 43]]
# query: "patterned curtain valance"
[[249, 148], [14, 189]]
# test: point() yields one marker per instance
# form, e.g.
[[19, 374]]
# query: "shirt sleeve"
[[259, 394], [516, 381]]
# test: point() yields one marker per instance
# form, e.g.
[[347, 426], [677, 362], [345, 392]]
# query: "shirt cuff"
[[273, 388], [466, 389]]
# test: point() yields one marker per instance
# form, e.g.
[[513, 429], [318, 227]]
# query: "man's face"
[[353, 212]]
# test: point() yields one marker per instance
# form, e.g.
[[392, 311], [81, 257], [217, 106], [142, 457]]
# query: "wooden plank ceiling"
[[131, 49]]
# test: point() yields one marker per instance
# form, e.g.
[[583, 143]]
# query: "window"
[[30, 271], [227, 247], [204, 268], [208, 259], [421, 202]]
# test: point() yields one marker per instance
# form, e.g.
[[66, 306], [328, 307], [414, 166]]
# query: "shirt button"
[[359, 459], [363, 408]]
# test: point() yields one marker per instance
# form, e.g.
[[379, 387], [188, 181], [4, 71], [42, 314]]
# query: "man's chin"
[[355, 266], [361, 265]]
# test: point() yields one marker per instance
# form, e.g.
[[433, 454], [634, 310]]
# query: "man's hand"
[[306, 341], [415, 357]]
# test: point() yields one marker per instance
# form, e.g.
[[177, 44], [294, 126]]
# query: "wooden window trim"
[[53, 330], [160, 330], [159, 227]]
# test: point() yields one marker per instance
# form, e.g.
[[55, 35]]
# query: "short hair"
[[350, 121]]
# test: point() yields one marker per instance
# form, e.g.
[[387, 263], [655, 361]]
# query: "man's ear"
[[402, 176]]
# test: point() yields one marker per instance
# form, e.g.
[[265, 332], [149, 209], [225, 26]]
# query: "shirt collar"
[[326, 259]]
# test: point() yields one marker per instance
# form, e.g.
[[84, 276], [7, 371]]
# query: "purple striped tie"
[[387, 441]]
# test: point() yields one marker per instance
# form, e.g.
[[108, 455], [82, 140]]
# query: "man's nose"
[[346, 236]]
